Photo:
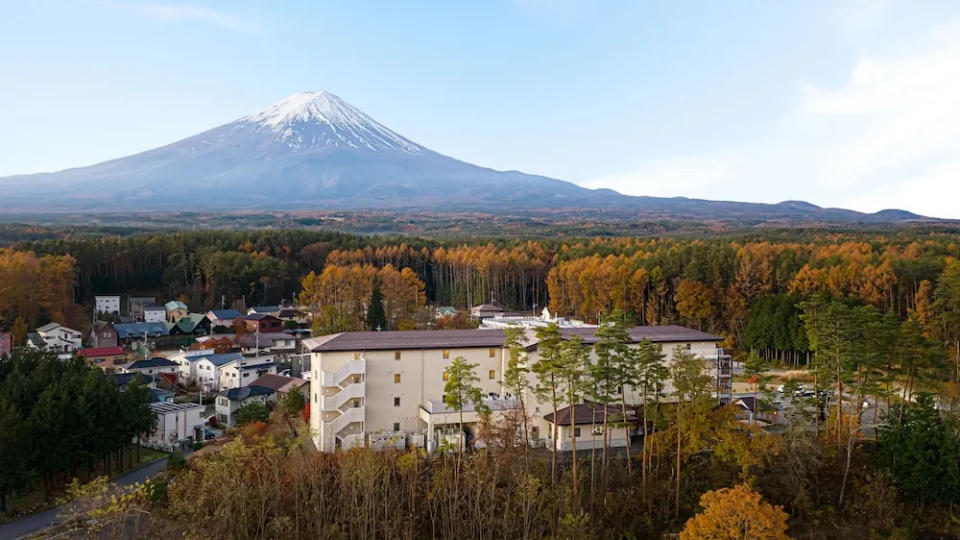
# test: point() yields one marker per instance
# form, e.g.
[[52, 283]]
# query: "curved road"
[[39, 521]]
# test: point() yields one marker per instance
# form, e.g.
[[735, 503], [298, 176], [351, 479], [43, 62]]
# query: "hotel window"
[[396, 402], [446, 354], [396, 355], [446, 376], [493, 374], [493, 352], [396, 426], [396, 378]]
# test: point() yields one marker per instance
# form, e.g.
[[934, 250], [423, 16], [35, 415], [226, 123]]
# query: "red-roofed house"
[[103, 357]]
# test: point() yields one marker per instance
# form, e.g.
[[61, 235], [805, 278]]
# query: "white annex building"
[[387, 388]]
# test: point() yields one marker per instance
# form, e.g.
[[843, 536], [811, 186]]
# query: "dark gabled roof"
[[154, 306], [288, 313], [35, 339], [226, 313], [587, 413], [247, 391], [156, 361], [258, 366], [259, 316], [275, 382], [264, 309], [460, 339], [123, 379]]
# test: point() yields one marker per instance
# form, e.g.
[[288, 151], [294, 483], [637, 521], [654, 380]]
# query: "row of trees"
[[62, 419], [340, 297], [37, 289]]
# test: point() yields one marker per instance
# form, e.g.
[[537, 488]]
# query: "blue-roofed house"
[[127, 332], [223, 318], [159, 395], [230, 401], [209, 368]]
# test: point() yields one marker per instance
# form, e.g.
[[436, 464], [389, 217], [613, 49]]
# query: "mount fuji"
[[315, 151]]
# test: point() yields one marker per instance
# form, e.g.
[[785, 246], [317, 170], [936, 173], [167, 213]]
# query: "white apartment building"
[[366, 386], [107, 304]]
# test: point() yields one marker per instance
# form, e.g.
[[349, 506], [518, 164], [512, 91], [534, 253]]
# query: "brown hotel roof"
[[462, 339]]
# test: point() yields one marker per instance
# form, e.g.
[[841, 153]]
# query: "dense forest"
[[746, 288]]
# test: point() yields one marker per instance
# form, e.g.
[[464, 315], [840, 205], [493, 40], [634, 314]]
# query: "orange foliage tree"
[[734, 513]]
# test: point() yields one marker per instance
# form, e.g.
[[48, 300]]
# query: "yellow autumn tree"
[[734, 513]]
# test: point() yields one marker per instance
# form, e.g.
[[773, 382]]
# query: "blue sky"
[[851, 103]]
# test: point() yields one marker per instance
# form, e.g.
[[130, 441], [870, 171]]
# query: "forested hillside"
[[746, 288]]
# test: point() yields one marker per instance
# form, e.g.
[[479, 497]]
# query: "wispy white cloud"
[[192, 13], [888, 137]]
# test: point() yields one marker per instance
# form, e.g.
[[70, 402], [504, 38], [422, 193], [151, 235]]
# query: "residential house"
[[154, 312], [485, 310], [59, 338], [585, 420], [283, 385], [194, 324], [246, 370], [264, 322], [6, 343], [276, 343], [129, 332], [107, 305], [158, 365], [103, 335], [230, 370], [136, 307], [104, 357], [291, 314], [266, 310], [370, 383], [223, 318], [230, 401], [177, 424], [176, 310]]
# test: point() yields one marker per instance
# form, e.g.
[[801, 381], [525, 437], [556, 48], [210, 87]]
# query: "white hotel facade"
[[387, 388]]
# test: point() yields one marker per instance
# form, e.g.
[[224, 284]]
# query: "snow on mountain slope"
[[312, 119]]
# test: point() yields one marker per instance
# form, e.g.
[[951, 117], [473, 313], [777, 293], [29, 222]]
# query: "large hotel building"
[[387, 388]]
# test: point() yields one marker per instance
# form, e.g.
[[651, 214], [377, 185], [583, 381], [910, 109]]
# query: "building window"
[[396, 426], [598, 430], [576, 431], [446, 376], [493, 352], [396, 402], [446, 354], [396, 378], [619, 390], [492, 374], [396, 355]]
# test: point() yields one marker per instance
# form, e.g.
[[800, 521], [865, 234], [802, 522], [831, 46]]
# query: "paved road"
[[41, 520]]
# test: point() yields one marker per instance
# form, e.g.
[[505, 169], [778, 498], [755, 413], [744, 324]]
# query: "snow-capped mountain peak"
[[312, 119]]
